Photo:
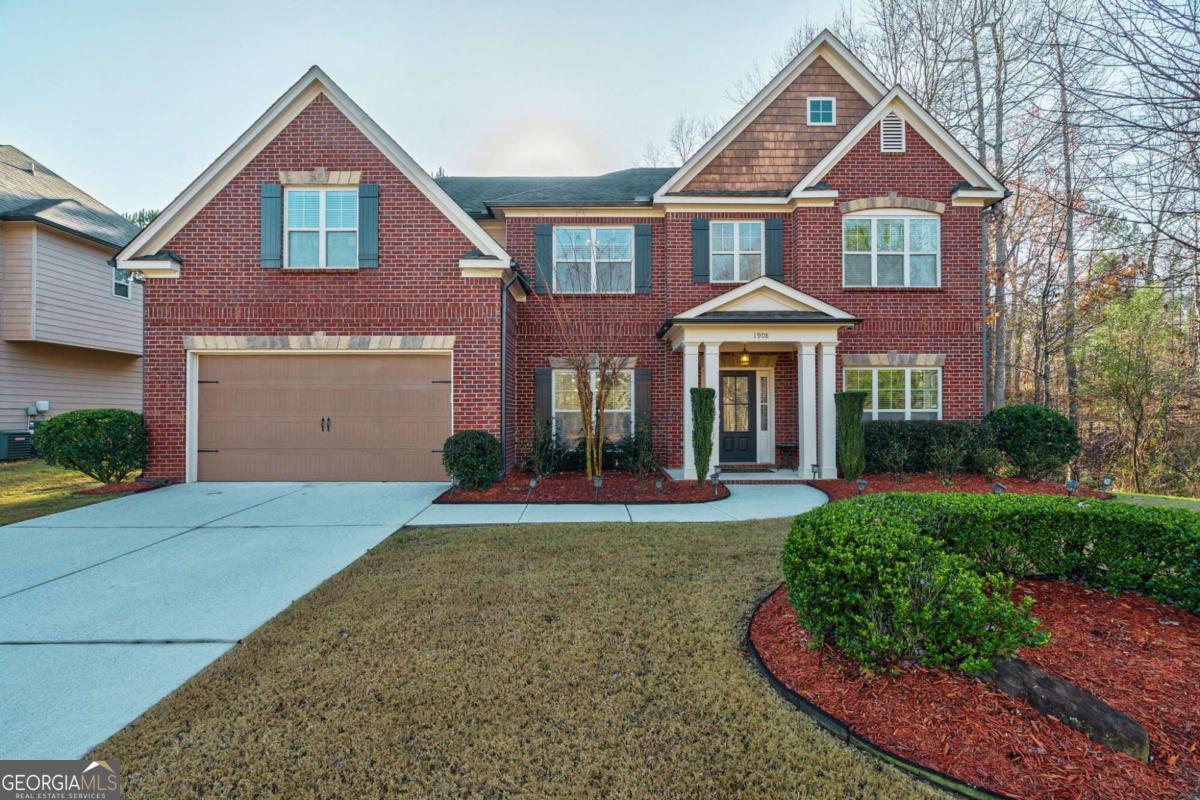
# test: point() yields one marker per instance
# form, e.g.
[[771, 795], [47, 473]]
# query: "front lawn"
[[515, 661], [33, 489], [1160, 501]]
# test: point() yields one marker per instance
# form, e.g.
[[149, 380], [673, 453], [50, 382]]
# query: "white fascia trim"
[[264, 129], [739, 200], [910, 111], [764, 283], [975, 197], [825, 44], [150, 269]]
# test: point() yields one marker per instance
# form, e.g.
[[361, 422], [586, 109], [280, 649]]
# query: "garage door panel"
[[260, 417]]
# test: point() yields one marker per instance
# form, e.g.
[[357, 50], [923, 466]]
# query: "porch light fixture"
[[862, 485], [998, 488], [744, 358], [1072, 485], [816, 471]]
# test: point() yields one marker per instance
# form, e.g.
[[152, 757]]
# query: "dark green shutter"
[[368, 225], [699, 251], [774, 267], [270, 226], [543, 280], [641, 397], [541, 395], [641, 260]]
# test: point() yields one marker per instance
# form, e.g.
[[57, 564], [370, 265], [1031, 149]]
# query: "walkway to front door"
[[739, 433]]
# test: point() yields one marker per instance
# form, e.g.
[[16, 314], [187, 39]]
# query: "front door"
[[739, 434]]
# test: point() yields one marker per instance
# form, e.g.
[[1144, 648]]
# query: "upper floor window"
[[822, 110], [891, 249], [735, 251], [898, 394], [618, 407], [122, 281], [589, 260], [322, 227]]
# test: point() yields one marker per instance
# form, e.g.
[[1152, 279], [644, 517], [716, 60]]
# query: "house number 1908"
[[761, 335]]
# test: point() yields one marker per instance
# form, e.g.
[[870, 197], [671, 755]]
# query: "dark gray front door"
[[739, 437]]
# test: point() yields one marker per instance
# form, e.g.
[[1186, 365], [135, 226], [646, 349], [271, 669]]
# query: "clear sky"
[[132, 100]]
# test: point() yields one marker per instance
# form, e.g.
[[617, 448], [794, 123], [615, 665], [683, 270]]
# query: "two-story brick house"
[[319, 308]]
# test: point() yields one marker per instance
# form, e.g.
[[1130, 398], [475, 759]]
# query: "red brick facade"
[[418, 290]]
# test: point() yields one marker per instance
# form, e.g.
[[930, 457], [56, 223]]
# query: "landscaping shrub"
[[851, 447], [894, 458], [545, 454], [106, 444], [473, 457], [1037, 440], [947, 460], [881, 590], [921, 439], [637, 455], [704, 411]]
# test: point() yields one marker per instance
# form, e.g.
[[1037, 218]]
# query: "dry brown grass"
[[524, 661]]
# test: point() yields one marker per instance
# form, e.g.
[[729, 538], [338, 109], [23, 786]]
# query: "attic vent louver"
[[891, 133]]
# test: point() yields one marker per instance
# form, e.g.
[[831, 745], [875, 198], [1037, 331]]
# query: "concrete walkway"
[[745, 502]]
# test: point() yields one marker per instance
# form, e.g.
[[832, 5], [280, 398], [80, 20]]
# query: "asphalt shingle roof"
[[41, 195], [634, 186]]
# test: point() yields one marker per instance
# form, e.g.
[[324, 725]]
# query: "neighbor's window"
[[322, 227], [618, 411], [121, 283], [822, 110], [735, 251], [891, 250], [898, 393], [593, 260]]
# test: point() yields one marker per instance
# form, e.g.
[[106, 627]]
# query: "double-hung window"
[[735, 251], [898, 393], [618, 408], [122, 281], [593, 260], [322, 227], [822, 111], [891, 250]]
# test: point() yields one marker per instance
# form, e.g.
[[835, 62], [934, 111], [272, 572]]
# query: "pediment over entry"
[[764, 296]]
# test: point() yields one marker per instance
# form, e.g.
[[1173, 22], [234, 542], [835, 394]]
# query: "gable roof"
[[32, 192], [824, 45], [314, 82], [902, 104], [626, 187]]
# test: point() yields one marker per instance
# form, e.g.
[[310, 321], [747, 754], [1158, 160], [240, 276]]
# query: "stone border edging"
[[845, 732]]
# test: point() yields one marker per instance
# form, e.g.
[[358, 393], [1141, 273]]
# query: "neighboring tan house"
[[70, 322], [319, 308]]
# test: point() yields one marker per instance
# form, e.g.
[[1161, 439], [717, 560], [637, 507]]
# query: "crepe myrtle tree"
[[588, 271]]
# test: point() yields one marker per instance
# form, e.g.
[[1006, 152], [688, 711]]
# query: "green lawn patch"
[[31, 489], [1160, 501], [515, 661]]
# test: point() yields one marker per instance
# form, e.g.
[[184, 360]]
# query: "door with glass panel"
[[739, 434]]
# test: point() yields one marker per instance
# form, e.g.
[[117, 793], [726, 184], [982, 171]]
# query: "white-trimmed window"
[[122, 283], [593, 260], [322, 228], [891, 248], [735, 251], [898, 393], [822, 111], [618, 410]]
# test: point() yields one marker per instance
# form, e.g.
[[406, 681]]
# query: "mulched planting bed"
[[574, 487], [118, 488], [1139, 656], [928, 482]]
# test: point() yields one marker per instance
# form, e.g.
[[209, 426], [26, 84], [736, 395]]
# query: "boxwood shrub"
[[106, 444], [922, 440], [1037, 440], [881, 590], [473, 457]]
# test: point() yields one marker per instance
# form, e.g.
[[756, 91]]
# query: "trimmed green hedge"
[[861, 572], [473, 457], [1038, 441], [920, 440], [106, 444]]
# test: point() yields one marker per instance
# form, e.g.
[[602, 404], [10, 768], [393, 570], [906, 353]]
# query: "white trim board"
[[765, 284], [314, 82]]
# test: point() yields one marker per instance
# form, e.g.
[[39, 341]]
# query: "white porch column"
[[806, 371], [691, 379], [712, 379], [828, 458]]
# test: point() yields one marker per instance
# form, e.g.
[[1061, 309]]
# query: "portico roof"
[[762, 301]]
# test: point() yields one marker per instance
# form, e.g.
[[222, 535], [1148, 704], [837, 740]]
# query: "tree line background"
[[1089, 112]]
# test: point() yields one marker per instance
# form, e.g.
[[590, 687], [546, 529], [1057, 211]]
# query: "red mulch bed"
[[118, 488], [928, 482], [574, 487], [1139, 656]]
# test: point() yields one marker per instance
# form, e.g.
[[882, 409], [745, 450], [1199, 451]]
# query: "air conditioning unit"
[[15, 445]]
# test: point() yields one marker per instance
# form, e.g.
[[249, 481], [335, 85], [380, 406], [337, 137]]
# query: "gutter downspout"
[[985, 217], [504, 371]]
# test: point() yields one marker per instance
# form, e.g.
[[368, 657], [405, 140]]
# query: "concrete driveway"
[[106, 609]]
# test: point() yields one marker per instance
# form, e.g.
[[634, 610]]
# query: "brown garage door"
[[322, 417]]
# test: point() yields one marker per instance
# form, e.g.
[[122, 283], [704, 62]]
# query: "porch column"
[[806, 371], [828, 412], [712, 379], [691, 379]]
